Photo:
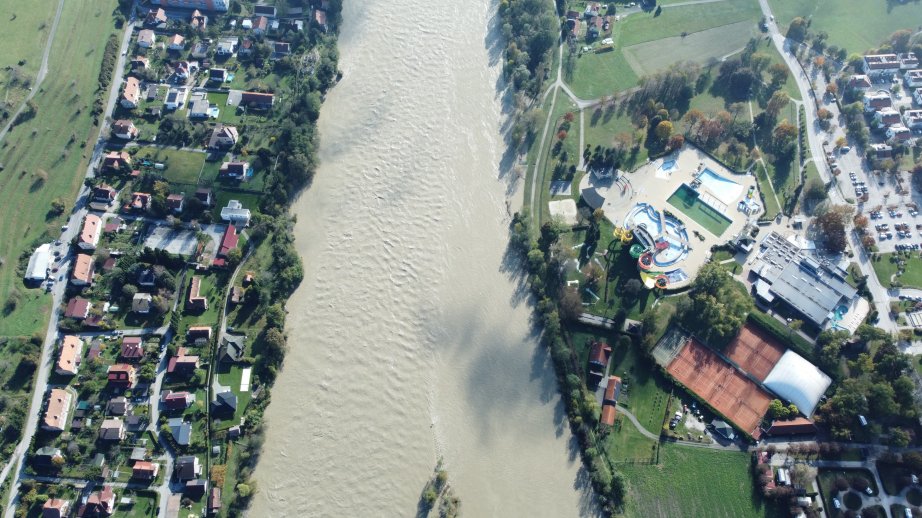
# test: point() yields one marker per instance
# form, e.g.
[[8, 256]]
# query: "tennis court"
[[754, 351]]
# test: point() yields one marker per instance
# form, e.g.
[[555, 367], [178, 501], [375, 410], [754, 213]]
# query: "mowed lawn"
[[44, 158], [673, 21], [699, 47], [181, 166], [26, 26], [694, 482], [885, 269], [856, 25]]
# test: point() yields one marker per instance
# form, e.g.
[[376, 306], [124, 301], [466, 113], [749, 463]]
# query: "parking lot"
[[896, 227]]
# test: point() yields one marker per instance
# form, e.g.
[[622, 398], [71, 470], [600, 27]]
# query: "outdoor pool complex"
[[687, 200], [727, 191], [674, 235], [668, 166]]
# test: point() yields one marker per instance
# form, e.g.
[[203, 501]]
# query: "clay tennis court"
[[721, 385], [754, 351]]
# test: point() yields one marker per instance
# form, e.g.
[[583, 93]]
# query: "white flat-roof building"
[[798, 381], [235, 213], [39, 263]]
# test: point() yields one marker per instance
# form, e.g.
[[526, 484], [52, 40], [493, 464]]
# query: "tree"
[[718, 305], [797, 30], [832, 89], [663, 130], [815, 189], [776, 103], [779, 74], [676, 142], [832, 221], [632, 288]]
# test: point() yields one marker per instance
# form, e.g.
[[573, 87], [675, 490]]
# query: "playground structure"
[[625, 235]]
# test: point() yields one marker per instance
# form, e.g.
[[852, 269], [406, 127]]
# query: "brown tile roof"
[[608, 415], [77, 308], [83, 269], [132, 92], [132, 348], [92, 226]]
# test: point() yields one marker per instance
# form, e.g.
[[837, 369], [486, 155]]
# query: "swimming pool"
[[668, 166], [727, 191], [686, 200], [674, 236]]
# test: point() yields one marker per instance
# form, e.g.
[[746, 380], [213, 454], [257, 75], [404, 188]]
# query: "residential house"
[[187, 467], [78, 308], [200, 109], [180, 430], [175, 202], [103, 194], [723, 429], [196, 301], [609, 412], [121, 375], [146, 38], [913, 119], [173, 401], [199, 335], [55, 508], [176, 43], [908, 60], [195, 489], [217, 75], [223, 137], [200, 50], [198, 20], [280, 49], [225, 404], [226, 47], [235, 213], [56, 412], [917, 96], [83, 271], [612, 390], [260, 25], [132, 349], [182, 364], [141, 303], [118, 406], [859, 82], [45, 457], [236, 295], [877, 101], [139, 63], [69, 356], [268, 11], [320, 19], [913, 78], [90, 232], [233, 348], [131, 94], [214, 501], [116, 160], [124, 129], [153, 112], [235, 170], [147, 278], [246, 47], [176, 97], [112, 429], [113, 224], [880, 66], [898, 133], [887, 117], [882, 151], [140, 202], [257, 100], [573, 24], [599, 352], [99, 503], [144, 470], [155, 17], [228, 242], [204, 195]]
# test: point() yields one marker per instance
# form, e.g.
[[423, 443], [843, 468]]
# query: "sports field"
[[754, 351], [700, 47], [856, 25], [722, 386]]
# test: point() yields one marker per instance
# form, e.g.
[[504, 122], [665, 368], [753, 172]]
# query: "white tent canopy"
[[798, 381], [39, 263]]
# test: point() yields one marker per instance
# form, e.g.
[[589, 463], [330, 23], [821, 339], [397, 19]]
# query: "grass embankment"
[[45, 158], [887, 267], [693, 482], [855, 25]]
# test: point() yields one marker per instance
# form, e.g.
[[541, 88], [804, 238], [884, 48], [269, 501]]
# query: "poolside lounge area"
[[675, 209]]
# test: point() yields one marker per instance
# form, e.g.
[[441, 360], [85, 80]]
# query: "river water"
[[409, 337]]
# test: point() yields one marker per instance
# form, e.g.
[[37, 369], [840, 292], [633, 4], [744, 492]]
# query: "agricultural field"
[[856, 25], [694, 482], [703, 47], [45, 157]]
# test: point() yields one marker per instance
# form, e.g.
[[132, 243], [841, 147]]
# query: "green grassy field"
[[230, 377], [673, 21], [688, 203], [885, 269], [25, 28], [596, 75], [181, 166], [45, 157], [694, 482], [856, 25], [700, 47]]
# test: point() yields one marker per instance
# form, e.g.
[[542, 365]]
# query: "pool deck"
[[651, 185]]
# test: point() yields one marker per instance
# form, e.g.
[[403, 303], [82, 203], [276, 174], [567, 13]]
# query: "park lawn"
[[602, 126], [570, 146], [645, 391], [181, 166], [45, 158], [770, 199], [886, 270], [595, 75], [855, 25], [693, 482], [624, 444], [673, 21], [688, 203]]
